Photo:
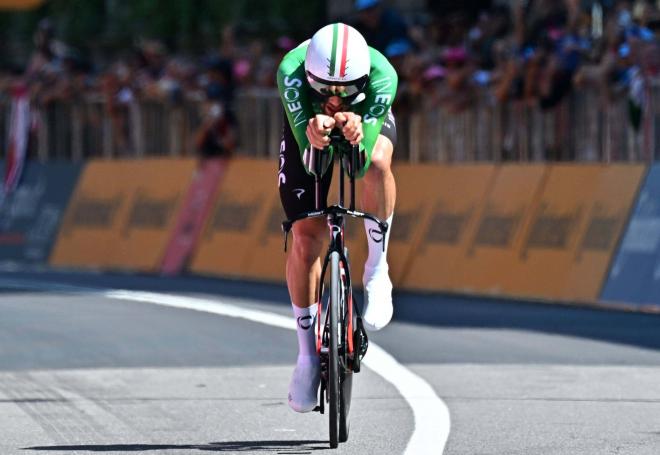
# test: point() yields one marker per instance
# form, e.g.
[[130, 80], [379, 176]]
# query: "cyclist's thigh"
[[389, 128], [295, 184]]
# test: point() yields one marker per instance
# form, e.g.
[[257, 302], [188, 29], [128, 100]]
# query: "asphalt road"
[[81, 372]]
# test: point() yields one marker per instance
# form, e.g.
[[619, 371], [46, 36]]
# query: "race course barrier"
[[539, 231], [635, 274], [524, 231], [122, 214], [238, 220], [193, 214], [30, 216], [414, 208], [455, 194], [490, 261]]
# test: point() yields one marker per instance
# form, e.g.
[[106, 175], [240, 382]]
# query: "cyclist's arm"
[[293, 89], [380, 95]]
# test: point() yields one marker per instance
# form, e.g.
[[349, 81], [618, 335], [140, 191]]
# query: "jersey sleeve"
[[294, 93], [380, 94]]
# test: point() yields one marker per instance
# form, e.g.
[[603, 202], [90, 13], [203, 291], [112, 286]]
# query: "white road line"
[[431, 415], [432, 422]]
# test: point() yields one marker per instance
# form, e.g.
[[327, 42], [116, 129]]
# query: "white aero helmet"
[[337, 61]]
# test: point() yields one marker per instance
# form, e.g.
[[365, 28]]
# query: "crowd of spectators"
[[533, 51]]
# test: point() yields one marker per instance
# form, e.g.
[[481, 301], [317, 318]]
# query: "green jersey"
[[300, 105]]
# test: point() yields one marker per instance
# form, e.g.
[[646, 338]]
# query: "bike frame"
[[335, 216]]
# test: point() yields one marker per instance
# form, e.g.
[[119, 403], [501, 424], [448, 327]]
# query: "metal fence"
[[583, 127]]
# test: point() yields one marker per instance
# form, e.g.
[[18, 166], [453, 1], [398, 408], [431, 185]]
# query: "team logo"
[[299, 192], [376, 235], [305, 322], [281, 178]]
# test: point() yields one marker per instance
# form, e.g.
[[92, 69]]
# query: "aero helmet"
[[337, 61]]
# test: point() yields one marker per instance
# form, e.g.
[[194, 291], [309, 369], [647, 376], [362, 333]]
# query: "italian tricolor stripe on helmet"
[[339, 50]]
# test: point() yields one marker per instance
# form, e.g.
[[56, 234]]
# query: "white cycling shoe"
[[304, 385], [378, 308]]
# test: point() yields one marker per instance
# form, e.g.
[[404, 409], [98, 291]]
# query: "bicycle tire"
[[333, 350], [345, 374]]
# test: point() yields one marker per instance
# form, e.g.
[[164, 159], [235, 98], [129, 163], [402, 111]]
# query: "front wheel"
[[345, 372], [333, 349]]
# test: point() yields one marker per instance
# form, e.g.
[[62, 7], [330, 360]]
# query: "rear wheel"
[[333, 350]]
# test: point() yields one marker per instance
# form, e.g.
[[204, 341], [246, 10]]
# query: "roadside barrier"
[[414, 202], [455, 195], [240, 212], [30, 216], [193, 214], [634, 277], [606, 217], [523, 230], [492, 261], [268, 261], [122, 214]]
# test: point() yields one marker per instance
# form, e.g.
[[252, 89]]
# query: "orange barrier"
[[581, 207], [121, 214], [240, 213], [268, 261], [455, 194], [536, 232], [414, 201], [521, 230], [492, 262], [606, 217]]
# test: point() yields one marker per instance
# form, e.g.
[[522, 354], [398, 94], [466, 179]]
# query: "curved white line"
[[431, 415]]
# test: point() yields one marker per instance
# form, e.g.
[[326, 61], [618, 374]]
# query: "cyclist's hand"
[[352, 126], [318, 129]]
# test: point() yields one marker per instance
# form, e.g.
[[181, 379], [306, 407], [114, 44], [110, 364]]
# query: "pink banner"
[[19, 133], [192, 215]]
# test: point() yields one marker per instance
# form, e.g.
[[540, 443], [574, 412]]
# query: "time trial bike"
[[341, 338]]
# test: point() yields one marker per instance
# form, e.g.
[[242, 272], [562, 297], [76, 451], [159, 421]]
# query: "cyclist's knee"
[[381, 159], [308, 240]]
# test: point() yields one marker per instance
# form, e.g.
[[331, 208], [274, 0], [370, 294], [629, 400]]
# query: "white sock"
[[305, 320], [377, 259]]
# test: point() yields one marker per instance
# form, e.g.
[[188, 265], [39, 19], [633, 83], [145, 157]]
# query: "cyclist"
[[334, 80]]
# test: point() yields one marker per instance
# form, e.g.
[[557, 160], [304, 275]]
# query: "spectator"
[[216, 136], [380, 26]]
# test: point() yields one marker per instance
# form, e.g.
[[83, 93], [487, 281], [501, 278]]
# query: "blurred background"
[[493, 80], [139, 146]]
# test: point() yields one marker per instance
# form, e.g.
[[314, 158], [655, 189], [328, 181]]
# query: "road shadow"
[[463, 312], [289, 447]]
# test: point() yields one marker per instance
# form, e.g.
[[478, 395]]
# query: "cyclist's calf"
[[379, 196]]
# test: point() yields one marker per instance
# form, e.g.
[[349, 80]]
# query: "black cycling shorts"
[[296, 185]]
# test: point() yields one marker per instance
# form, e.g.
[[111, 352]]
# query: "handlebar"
[[332, 210]]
